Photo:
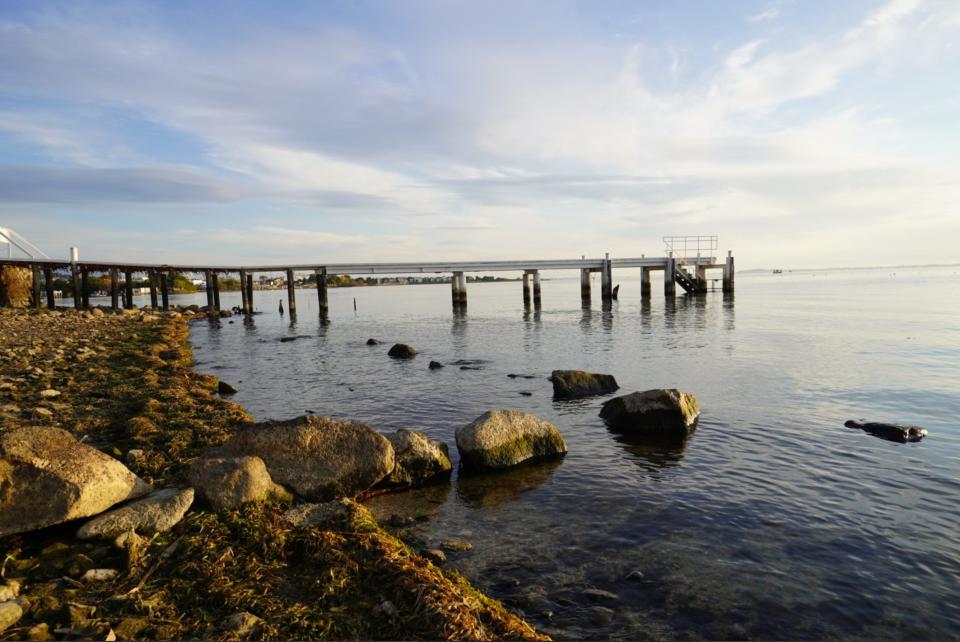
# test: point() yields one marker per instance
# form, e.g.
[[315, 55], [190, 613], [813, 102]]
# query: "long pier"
[[688, 272]]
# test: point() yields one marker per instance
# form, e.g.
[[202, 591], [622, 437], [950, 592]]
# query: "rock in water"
[[225, 388], [157, 512], [401, 351], [418, 458], [891, 432], [503, 438], [48, 477], [319, 458], [372, 342], [228, 483], [572, 384], [653, 413], [435, 365]]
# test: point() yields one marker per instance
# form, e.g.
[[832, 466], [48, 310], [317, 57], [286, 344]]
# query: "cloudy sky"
[[803, 133]]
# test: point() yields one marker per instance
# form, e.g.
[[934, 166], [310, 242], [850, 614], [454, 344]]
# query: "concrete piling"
[[322, 292], [244, 304], [165, 290], [84, 288], [606, 280], [216, 292], [455, 290], [728, 273], [536, 289], [249, 286], [526, 289], [36, 299], [585, 285], [75, 282], [644, 283], [670, 277], [461, 287], [152, 278], [291, 297]]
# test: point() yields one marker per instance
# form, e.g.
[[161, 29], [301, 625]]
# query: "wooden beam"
[[37, 299], [48, 282], [128, 289], [165, 290]]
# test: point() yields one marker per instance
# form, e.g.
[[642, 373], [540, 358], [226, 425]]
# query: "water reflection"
[[417, 504], [494, 489], [652, 454]]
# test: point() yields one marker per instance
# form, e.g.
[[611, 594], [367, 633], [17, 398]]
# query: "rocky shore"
[[121, 384]]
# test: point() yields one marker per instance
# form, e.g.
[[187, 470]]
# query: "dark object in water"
[[372, 342], [225, 388], [616, 291], [434, 365], [521, 376], [281, 306], [287, 339], [891, 432], [402, 351]]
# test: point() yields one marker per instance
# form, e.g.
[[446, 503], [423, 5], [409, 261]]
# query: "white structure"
[[10, 240]]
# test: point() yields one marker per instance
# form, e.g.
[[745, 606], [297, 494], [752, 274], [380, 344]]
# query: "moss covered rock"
[[419, 458], [655, 413], [226, 483], [503, 438], [572, 384]]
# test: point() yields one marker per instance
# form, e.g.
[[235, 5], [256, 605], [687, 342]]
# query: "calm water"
[[774, 521]]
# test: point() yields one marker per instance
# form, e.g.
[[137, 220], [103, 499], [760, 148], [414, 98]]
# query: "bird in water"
[[281, 306]]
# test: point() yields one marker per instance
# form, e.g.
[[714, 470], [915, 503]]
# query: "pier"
[[686, 263]]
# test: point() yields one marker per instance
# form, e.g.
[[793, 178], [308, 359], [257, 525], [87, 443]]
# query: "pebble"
[[387, 608], [41, 413], [602, 616], [456, 545], [49, 393], [100, 575], [39, 633], [600, 594]]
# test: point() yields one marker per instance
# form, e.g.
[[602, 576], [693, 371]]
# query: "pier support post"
[[728, 273], [243, 292], [216, 292], [458, 289], [249, 286], [585, 285], [670, 277], [48, 282], [128, 289], [526, 289], [644, 283], [84, 289], [165, 290], [536, 289], [322, 292], [291, 297], [36, 298], [208, 279], [463, 289], [606, 280], [75, 282], [152, 277], [114, 289]]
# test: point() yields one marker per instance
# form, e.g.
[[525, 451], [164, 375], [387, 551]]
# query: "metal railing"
[[13, 240], [690, 246]]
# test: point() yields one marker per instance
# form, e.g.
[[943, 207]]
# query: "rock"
[[48, 477], [227, 483], [39, 633], [401, 351], [244, 624], [97, 312], [225, 388], [435, 365], [456, 545], [130, 628], [10, 614], [890, 432], [372, 342], [319, 458], [435, 555], [6, 594], [387, 608], [339, 514], [418, 458], [49, 393], [635, 576], [100, 575], [600, 595], [134, 456], [41, 414], [132, 546], [601, 615], [502, 438], [158, 512], [653, 413], [573, 384]]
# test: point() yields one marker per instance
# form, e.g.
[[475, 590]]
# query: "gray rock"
[[157, 512], [600, 594], [890, 432], [653, 413], [402, 351], [48, 477], [10, 614], [601, 615], [319, 458], [226, 483], [338, 514], [244, 624], [456, 545], [435, 365], [418, 458], [372, 342], [435, 555], [503, 438], [100, 575], [573, 384]]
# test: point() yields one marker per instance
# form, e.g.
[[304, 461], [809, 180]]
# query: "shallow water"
[[773, 521]]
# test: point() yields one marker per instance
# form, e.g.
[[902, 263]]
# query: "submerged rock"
[[418, 458], [228, 483], [653, 413], [372, 342], [225, 388], [891, 432], [48, 477], [572, 384], [435, 365], [319, 458], [402, 351], [503, 438], [157, 512]]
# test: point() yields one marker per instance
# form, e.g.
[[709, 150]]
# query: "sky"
[[803, 133]]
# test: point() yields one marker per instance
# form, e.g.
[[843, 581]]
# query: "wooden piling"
[[728, 273], [536, 288], [585, 285], [455, 290], [75, 282], [114, 289], [463, 289], [249, 286], [128, 289], [208, 288], [322, 292], [644, 283], [216, 292], [291, 297], [606, 280], [244, 304], [48, 282], [37, 299], [165, 290], [152, 278], [526, 289], [84, 290], [670, 277]]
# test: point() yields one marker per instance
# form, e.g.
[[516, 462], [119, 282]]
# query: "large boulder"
[[157, 512], [402, 351], [226, 483], [319, 458], [418, 458], [669, 414], [48, 477], [503, 438], [572, 384]]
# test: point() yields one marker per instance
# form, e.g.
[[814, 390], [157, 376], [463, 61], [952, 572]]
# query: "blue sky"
[[803, 133]]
